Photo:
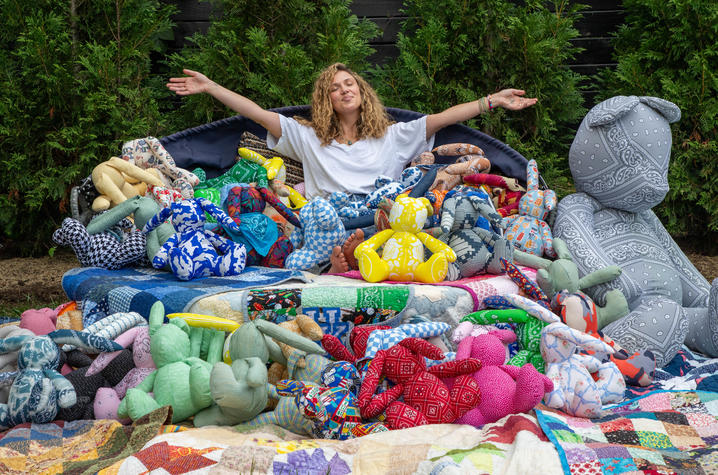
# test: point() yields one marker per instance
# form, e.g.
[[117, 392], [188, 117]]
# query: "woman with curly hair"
[[350, 139]]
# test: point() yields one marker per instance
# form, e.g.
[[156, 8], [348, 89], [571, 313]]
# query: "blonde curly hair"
[[373, 118]]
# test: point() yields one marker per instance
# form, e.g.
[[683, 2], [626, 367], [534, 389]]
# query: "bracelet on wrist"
[[488, 100]]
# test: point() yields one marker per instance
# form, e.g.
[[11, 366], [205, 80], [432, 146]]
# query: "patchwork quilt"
[[436, 449], [660, 432], [101, 292]]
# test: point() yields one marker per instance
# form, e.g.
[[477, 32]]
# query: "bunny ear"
[[532, 174], [578, 338], [611, 110], [506, 336], [13, 343], [669, 110], [103, 359], [286, 336], [533, 308], [157, 316], [290, 387], [423, 348], [84, 339]]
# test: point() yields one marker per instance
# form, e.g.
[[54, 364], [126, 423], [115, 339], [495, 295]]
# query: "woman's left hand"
[[512, 99]]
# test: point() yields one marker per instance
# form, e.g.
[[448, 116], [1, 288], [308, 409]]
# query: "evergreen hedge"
[[669, 49], [270, 52], [455, 51], [75, 84]]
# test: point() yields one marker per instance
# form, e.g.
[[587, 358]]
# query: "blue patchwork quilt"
[[101, 292]]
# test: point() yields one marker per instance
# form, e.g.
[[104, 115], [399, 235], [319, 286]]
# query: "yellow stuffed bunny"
[[117, 180], [403, 255]]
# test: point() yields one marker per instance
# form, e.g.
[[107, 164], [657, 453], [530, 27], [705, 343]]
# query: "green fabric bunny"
[[181, 379]]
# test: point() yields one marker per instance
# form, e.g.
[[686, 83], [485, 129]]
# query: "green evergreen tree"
[[669, 49], [75, 85], [271, 52], [456, 51]]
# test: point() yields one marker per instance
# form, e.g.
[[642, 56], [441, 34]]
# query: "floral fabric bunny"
[[38, 389], [332, 407], [529, 231]]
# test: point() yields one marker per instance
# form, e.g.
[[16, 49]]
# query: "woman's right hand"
[[193, 83]]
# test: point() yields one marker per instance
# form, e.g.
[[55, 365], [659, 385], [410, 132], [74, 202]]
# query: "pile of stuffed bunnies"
[[590, 294]]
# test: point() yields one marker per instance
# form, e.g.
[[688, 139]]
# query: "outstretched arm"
[[197, 83], [511, 99]]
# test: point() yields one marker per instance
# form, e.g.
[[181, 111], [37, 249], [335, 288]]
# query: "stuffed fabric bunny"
[[576, 391], [321, 230], [87, 385], [470, 226], [8, 361], [150, 153], [118, 180], [107, 399], [402, 257], [193, 252], [181, 379], [619, 160], [332, 407], [38, 389], [142, 209], [239, 392], [529, 231], [107, 250], [504, 389], [426, 398]]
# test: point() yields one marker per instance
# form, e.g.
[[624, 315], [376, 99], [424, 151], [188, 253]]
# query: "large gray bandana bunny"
[[619, 162]]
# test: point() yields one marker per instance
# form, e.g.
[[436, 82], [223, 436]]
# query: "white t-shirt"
[[350, 168]]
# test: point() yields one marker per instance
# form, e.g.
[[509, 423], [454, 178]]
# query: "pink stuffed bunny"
[[504, 389], [107, 400]]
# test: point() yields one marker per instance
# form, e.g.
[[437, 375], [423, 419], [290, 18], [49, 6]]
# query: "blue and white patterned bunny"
[[193, 252], [385, 188], [321, 230], [576, 391], [39, 389]]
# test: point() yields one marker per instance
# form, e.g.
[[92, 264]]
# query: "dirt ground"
[[31, 282]]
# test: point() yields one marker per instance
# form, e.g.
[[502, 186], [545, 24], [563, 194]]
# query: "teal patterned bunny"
[[38, 390]]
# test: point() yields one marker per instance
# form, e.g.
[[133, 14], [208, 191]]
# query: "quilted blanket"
[[101, 292], [660, 432], [687, 371], [513, 445], [84, 446]]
